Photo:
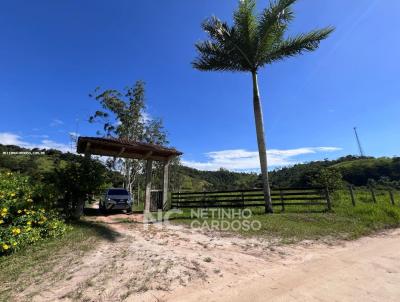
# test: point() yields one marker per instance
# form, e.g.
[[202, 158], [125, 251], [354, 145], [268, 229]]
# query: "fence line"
[[372, 192], [252, 198]]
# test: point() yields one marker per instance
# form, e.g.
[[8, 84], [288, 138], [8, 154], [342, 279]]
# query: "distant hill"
[[37, 165], [358, 171], [216, 180], [355, 170]]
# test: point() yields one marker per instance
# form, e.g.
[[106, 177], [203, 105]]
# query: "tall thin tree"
[[252, 42], [123, 115]]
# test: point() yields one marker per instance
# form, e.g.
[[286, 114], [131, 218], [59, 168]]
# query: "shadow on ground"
[[101, 230], [96, 212]]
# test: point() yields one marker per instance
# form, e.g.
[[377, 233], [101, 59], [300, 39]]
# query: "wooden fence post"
[[328, 199], [391, 197], [138, 195], [353, 200], [372, 193], [282, 200]]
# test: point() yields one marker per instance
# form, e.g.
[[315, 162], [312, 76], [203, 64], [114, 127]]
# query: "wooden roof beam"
[[147, 155]]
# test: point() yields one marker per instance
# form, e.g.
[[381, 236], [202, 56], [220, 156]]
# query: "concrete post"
[[149, 166], [165, 183]]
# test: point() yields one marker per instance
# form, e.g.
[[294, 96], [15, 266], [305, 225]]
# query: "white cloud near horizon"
[[234, 160], [243, 160], [56, 122], [8, 138]]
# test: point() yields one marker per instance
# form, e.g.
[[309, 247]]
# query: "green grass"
[[300, 223], [363, 162], [138, 207], [29, 265]]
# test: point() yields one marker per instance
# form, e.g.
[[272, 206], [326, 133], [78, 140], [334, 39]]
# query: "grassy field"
[[30, 264], [301, 223]]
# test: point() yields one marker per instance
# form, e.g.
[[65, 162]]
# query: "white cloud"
[[56, 122], [243, 160], [7, 138], [39, 136], [49, 144], [146, 117]]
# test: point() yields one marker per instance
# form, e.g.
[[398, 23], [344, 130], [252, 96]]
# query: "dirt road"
[[173, 263]]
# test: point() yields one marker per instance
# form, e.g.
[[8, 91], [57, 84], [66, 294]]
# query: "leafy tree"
[[73, 183], [123, 115], [248, 45], [327, 177]]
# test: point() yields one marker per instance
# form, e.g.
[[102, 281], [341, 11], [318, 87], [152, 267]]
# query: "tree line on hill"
[[351, 170], [354, 170]]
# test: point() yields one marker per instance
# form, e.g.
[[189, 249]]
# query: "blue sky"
[[54, 53]]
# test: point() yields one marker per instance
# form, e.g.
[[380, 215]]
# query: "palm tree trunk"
[[258, 116]]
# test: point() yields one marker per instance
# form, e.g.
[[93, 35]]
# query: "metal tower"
[[358, 142]]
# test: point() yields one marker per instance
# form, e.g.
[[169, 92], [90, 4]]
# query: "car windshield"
[[118, 192]]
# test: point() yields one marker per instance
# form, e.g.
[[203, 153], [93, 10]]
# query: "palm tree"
[[248, 45]]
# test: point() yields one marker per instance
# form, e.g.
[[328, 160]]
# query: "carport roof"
[[119, 147]]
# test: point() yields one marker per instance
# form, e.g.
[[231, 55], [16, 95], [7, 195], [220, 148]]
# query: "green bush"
[[70, 185], [22, 220]]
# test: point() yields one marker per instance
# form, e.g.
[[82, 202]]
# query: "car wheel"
[[102, 209], [129, 210]]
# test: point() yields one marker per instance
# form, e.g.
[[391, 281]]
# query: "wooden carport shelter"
[[118, 147]]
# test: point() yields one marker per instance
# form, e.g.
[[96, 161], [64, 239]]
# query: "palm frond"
[[215, 57], [296, 45], [221, 52], [245, 25], [251, 42], [272, 23], [216, 29]]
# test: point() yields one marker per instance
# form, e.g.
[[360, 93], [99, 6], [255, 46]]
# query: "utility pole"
[[359, 143]]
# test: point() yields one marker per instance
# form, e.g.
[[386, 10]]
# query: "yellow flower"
[[5, 246], [19, 211], [1, 221], [5, 210], [29, 200], [28, 229], [16, 231], [14, 244], [12, 194], [29, 223]]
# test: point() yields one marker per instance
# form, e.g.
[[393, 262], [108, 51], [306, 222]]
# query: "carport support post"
[[149, 166], [165, 183]]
